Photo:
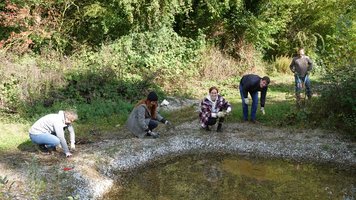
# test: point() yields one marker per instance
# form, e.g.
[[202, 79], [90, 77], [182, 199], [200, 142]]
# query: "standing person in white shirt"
[[48, 131]]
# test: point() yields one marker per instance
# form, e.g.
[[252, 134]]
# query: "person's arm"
[[245, 87], [72, 137], [160, 118], [205, 110], [263, 96], [141, 110], [60, 134], [226, 105], [310, 64]]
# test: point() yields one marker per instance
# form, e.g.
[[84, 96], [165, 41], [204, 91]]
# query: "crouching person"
[[48, 131], [144, 117], [213, 108]]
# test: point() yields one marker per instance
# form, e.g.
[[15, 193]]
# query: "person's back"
[[45, 124]]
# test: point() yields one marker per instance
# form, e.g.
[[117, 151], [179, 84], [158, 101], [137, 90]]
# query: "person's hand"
[[68, 154], [246, 101], [263, 110], [228, 110], [213, 115], [153, 134], [221, 114], [72, 146]]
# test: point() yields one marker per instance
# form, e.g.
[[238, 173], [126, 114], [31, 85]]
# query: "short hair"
[[266, 78], [213, 88], [71, 115]]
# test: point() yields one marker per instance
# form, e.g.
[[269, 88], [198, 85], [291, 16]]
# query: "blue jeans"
[[254, 96], [299, 80], [51, 141]]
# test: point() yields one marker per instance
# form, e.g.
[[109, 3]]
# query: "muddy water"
[[235, 177]]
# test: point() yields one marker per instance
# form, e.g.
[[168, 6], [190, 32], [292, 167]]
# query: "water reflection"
[[232, 177]]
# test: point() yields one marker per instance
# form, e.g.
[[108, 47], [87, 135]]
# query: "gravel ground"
[[120, 156], [95, 167]]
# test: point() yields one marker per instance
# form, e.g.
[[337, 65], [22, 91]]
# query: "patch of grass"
[[13, 134], [180, 116]]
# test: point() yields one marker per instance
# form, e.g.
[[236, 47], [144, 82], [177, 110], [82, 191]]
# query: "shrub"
[[281, 64], [338, 99]]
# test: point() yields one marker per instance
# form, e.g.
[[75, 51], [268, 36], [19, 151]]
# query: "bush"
[[282, 64], [339, 99]]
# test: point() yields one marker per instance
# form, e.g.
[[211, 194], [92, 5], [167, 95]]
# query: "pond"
[[235, 177]]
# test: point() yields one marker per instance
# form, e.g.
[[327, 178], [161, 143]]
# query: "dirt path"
[[94, 167]]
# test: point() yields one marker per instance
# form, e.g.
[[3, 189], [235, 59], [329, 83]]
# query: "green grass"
[[13, 135], [97, 123]]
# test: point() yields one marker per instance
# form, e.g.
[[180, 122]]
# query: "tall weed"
[[281, 65]]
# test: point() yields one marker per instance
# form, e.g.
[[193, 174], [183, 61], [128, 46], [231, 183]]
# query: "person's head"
[[152, 98], [151, 102], [70, 116], [264, 82], [301, 51], [213, 92]]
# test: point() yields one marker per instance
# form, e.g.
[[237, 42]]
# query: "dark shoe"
[[219, 128], [43, 148], [255, 121]]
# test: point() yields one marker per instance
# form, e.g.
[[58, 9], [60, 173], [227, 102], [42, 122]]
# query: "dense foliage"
[[82, 51]]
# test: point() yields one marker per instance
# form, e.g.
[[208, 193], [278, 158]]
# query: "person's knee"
[[152, 125], [56, 141]]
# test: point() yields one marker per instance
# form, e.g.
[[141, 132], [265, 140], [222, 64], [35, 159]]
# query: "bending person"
[[252, 83], [48, 131]]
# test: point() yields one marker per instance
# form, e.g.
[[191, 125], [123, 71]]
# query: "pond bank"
[[95, 167], [316, 146]]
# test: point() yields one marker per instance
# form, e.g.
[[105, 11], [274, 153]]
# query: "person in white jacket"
[[48, 131]]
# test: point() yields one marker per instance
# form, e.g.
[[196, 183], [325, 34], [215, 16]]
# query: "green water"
[[232, 177]]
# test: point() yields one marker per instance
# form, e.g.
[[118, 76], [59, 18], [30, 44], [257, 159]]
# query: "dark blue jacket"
[[251, 83]]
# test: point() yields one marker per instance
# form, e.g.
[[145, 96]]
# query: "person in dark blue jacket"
[[252, 83]]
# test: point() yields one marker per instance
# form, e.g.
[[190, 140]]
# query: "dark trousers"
[[152, 124], [212, 120]]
